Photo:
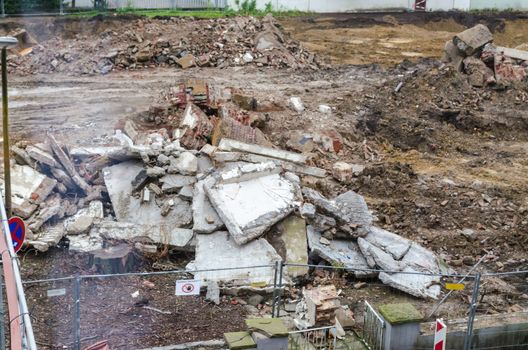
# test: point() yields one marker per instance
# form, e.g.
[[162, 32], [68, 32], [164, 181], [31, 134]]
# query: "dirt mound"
[[100, 46]]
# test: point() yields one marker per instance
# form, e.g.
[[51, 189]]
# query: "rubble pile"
[[473, 52], [172, 42], [190, 183]]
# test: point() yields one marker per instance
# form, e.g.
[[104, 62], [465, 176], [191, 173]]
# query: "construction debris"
[[474, 53]]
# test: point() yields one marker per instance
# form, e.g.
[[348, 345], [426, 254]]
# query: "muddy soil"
[[441, 156]]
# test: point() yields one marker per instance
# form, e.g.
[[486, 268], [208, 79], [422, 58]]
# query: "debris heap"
[[473, 52], [211, 183], [172, 42]]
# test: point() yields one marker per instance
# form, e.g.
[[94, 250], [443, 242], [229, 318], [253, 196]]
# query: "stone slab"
[[422, 286], [389, 242], [291, 243], [400, 313], [233, 145]]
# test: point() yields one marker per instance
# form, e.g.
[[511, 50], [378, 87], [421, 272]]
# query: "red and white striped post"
[[440, 335]]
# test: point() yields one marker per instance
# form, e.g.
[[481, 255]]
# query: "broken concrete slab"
[[339, 252], [68, 165], [159, 234], [289, 240], [251, 198], [472, 39], [348, 208], [213, 292], [205, 217], [223, 157], [41, 156], [513, 53], [377, 258], [49, 208], [22, 157], [129, 208], [422, 286], [233, 145], [453, 56], [28, 189], [391, 243], [220, 250], [173, 183]]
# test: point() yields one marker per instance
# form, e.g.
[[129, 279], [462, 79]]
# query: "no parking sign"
[[18, 232], [187, 287]]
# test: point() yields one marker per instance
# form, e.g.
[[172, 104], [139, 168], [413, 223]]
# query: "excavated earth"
[[441, 156]]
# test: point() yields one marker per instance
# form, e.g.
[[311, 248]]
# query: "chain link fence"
[[141, 310]]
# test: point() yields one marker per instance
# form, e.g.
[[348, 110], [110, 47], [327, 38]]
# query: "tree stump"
[[115, 259]]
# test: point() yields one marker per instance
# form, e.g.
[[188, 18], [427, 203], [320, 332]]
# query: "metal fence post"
[[3, 8], [61, 7], [275, 290], [472, 311], [77, 312], [279, 292]]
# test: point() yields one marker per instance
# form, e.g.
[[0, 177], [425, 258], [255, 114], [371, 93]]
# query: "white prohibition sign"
[[187, 287]]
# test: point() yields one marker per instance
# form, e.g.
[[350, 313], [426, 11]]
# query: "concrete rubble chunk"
[[68, 165], [307, 210], [49, 236], [50, 208], [344, 172], [213, 292], [513, 53], [41, 156], [205, 217], [377, 257], [340, 252], [159, 234], [186, 193], [173, 183], [129, 208], [223, 157], [421, 286], [155, 171], [391, 243], [233, 145], [297, 104], [82, 221], [28, 189], [186, 164], [22, 157], [251, 198], [472, 39], [453, 56], [289, 239], [348, 208], [219, 249]]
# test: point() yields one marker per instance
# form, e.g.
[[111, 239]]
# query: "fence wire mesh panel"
[[51, 306], [316, 338], [373, 328], [501, 317], [143, 310]]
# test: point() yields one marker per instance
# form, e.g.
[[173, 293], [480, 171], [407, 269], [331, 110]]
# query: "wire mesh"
[[317, 338]]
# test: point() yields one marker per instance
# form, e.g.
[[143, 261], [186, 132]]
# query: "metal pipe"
[[471, 317], [77, 312], [2, 314], [24, 312], [7, 165]]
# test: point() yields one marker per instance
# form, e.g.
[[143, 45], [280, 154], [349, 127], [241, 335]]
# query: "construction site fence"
[[58, 7], [77, 311]]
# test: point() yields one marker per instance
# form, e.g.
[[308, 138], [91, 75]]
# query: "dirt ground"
[[389, 38], [441, 156]]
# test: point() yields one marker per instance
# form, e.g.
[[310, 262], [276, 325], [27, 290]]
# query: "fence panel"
[[373, 328], [51, 306]]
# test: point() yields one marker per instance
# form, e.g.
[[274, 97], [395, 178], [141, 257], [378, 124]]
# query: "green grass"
[[205, 14]]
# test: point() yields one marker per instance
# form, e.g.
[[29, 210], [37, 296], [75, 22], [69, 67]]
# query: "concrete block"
[[391, 243], [41, 156], [82, 221], [186, 164], [220, 250], [472, 39]]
